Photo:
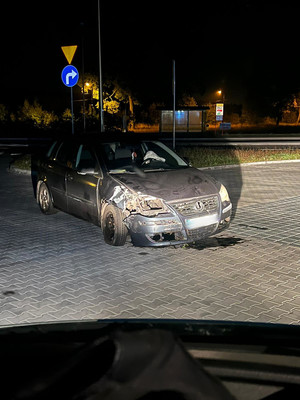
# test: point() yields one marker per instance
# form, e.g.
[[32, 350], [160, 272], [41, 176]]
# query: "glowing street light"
[[221, 94]]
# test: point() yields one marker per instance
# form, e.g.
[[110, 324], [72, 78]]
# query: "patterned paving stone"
[[58, 268]]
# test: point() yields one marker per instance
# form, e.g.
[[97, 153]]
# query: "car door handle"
[[70, 177]]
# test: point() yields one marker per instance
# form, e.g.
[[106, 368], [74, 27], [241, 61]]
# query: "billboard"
[[219, 111]]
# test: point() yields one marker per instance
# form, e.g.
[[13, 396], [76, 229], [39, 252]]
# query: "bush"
[[3, 113], [37, 115]]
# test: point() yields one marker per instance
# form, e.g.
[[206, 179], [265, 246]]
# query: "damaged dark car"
[[129, 187]]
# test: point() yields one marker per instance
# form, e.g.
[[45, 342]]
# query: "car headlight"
[[224, 194]]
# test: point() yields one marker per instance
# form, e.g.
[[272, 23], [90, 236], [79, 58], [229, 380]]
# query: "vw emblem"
[[199, 206]]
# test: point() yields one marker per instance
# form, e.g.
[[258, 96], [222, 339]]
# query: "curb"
[[18, 171], [250, 164]]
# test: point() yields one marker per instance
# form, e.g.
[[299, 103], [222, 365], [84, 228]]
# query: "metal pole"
[[174, 103], [72, 111], [83, 97], [100, 75], [223, 98]]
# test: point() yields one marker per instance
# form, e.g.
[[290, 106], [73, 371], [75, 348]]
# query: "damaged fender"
[[137, 203]]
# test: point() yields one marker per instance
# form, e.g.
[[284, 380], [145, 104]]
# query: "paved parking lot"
[[58, 268]]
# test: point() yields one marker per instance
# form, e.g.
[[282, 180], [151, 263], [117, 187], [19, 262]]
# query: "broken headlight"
[[146, 205], [151, 203]]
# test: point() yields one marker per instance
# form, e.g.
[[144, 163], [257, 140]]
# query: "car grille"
[[201, 233], [199, 206]]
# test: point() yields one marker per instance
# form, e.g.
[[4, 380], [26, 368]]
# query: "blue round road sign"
[[70, 75]]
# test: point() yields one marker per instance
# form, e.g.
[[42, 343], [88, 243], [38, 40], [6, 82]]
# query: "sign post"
[[70, 77], [174, 102]]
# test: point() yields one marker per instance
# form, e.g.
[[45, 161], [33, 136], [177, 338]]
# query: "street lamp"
[[221, 93], [100, 74]]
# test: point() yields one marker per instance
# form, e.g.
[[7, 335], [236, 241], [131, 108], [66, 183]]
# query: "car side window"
[[86, 159], [65, 155], [51, 151]]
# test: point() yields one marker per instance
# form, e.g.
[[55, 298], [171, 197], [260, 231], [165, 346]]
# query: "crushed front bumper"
[[175, 229]]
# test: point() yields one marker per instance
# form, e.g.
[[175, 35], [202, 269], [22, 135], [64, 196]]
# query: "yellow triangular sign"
[[69, 52]]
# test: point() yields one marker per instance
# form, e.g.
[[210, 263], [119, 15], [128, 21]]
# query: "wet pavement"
[[58, 268]]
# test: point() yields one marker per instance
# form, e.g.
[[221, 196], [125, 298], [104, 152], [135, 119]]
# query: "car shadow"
[[215, 242]]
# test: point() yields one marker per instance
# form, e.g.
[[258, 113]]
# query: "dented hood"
[[170, 185]]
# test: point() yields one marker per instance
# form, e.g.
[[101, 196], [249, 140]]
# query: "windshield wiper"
[[166, 169], [121, 171], [156, 170]]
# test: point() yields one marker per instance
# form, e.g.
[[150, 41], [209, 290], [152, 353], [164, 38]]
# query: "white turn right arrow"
[[72, 75]]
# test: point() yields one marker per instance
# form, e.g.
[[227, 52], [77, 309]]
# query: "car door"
[[82, 184], [57, 170]]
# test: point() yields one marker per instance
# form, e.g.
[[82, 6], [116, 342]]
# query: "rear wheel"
[[113, 227], [45, 199]]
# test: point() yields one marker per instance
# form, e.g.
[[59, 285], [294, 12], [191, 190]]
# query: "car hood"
[[170, 185], [49, 360]]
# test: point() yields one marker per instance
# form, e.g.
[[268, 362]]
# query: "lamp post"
[[100, 75], [174, 101], [82, 61]]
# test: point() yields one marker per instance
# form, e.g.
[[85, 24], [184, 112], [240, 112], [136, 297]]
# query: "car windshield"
[[123, 157]]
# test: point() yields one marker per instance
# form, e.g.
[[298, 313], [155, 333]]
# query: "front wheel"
[[45, 199], [113, 227]]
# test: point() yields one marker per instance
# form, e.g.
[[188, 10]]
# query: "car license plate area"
[[194, 223]]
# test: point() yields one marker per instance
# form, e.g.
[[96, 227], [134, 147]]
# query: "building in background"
[[187, 119]]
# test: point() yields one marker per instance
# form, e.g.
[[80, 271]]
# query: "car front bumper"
[[174, 229]]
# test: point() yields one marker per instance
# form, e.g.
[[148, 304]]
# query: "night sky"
[[248, 48]]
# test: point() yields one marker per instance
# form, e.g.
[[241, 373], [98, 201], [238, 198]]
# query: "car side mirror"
[[188, 161]]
